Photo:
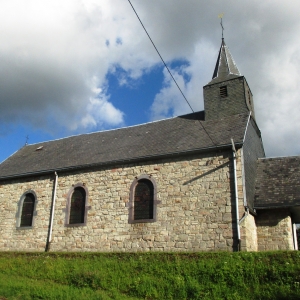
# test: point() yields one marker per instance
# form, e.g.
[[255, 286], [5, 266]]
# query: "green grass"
[[267, 275]]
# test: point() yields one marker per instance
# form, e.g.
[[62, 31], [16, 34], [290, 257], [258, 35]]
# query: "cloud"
[[55, 57], [262, 37], [278, 106], [190, 76], [169, 100], [99, 108]]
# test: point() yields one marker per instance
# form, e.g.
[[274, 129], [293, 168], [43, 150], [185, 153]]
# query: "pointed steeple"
[[225, 68], [228, 93]]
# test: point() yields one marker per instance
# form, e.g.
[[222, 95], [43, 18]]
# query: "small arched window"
[[77, 206], [76, 210], [26, 210], [143, 202]]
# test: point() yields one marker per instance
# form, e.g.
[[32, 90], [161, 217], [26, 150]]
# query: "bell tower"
[[228, 92]]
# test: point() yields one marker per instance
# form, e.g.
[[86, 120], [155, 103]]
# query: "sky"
[[69, 67]]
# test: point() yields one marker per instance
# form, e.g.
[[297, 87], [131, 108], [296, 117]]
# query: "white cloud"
[[262, 37], [55, 56], [55, 53], [278, 106], [169, 101], [100, 109]]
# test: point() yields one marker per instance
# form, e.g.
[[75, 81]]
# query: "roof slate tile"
[[176, 135], [277, 182]]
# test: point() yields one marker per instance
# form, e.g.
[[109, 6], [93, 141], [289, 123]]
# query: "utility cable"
[[169, 70]]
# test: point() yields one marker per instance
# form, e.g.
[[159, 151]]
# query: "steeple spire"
[[225, 68], [228, 93]]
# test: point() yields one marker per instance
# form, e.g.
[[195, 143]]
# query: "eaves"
[[122, 161]]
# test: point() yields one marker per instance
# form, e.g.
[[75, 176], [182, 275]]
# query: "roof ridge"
[[113, 129]]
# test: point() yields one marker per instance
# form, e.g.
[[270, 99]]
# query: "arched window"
[[77, 206], [143, 202], [76, 210], [26, 210]]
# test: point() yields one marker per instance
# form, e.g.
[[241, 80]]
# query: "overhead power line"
[[168, 69], [161, 57]]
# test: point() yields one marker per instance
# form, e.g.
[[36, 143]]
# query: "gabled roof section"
[[226, 68], [277, 182], [177, 135]]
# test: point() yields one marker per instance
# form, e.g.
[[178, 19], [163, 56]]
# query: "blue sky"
[[76, 66]]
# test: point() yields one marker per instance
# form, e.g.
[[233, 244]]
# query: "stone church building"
[[197, 182]]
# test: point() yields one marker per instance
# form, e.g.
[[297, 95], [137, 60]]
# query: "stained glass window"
[[77, 208], [27, 210], [143, 200]]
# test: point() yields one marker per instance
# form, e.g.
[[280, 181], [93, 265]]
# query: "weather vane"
[[221, 17]]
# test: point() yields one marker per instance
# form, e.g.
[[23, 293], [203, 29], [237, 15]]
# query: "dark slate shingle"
[[175, 135], [277, 182], [226, 68]]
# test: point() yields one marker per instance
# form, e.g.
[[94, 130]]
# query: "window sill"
[[75, 225], [142, 221], [24, 227]]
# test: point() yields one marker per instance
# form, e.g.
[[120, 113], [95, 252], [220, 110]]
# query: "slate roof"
[[225, 68], [277, 182], [161, 138]]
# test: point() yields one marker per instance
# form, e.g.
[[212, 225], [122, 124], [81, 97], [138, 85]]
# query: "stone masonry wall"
[[249, 234], [274, 230], [16, 239], [195, 213]]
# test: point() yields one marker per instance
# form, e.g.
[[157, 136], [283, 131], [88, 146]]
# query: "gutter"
[[236, 196], [276, 206], [49, 238], [244, 178], [44, 172]]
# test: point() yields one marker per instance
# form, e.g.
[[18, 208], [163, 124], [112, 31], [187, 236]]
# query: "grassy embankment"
[[273, 275]]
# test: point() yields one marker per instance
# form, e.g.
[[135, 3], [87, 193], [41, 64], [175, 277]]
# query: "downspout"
[[295, 236], [49, 239], [244, 178], [236, 195], [246, 214]]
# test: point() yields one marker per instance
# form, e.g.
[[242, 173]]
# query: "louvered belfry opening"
[[77, 208], [27, 210], [223, 91], [143, 200]]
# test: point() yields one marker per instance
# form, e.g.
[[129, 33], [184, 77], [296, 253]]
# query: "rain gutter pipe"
[[52, 214], [295, 236], [236, 195]]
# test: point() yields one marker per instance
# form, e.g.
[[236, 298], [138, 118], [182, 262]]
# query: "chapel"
[[196, 182]]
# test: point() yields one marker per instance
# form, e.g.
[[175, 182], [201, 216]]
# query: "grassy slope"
[[273, 275]]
